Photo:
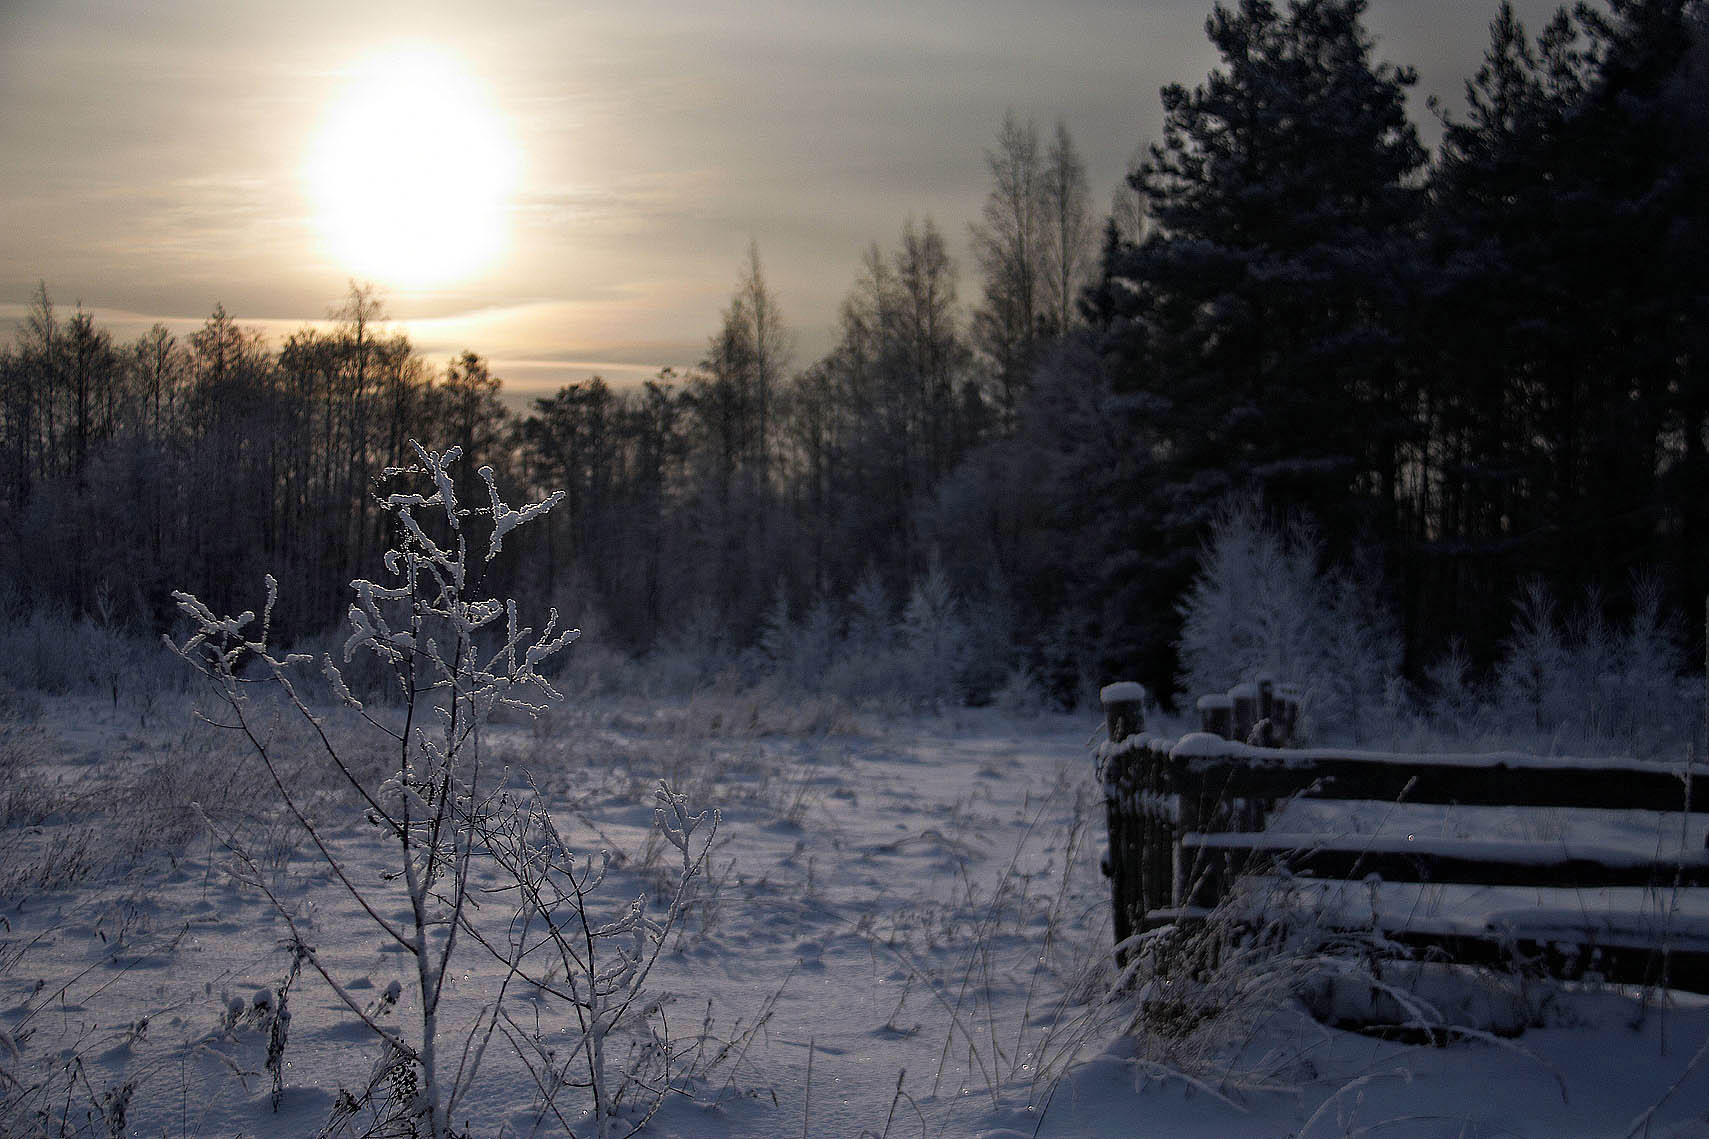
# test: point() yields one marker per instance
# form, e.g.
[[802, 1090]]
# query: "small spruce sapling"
[[1529, 678], [934, 639]]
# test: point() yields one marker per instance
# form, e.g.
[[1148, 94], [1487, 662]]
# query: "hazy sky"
[[603, 166]]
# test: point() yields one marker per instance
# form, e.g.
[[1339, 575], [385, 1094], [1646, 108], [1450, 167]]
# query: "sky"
[[565, 187]]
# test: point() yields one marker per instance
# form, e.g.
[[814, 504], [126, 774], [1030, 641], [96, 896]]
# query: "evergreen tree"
[[739, 534], [1256, 334], [1284, 203], [1569, 230], [934, 640]]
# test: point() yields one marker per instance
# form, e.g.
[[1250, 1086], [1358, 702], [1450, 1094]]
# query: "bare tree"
[[935, 356], [1127, 204], [1068, 231], [769, 347], [1009, 244]]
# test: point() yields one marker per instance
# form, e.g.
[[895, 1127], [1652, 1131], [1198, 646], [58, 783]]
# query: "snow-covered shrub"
[[687, 660], [1355, 685], [871, 619], [596, 668], [1257, 605], [1020, 695], [1632, 692], [1454, 707], [1583, 685], [51, 652], [1063, 666], [989, 661], [1531, 680]]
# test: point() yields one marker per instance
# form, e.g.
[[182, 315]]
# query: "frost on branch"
[[673, 819], [420, 614], [505, 519]]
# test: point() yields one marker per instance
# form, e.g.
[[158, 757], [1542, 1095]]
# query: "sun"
[[412, 171]]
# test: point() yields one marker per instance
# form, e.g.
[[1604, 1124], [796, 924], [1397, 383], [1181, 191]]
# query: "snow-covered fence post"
[[1124, 709]]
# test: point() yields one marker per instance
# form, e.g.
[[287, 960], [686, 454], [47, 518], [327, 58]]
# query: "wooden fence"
[[1187, 818]]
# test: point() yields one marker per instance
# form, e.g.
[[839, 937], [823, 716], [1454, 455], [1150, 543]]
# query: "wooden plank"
[[1686, 970], [1221, 857], [1496, 781]]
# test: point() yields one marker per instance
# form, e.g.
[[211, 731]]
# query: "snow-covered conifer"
[[934, 639], [1529, 679]]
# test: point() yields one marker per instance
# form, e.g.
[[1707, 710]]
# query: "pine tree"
[[1255, 336], [1284, 201], [1570, 230]]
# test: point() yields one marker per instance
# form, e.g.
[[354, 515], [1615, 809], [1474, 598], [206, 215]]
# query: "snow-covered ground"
[[903, 931]]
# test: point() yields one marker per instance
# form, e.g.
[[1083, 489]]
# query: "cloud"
[[150, 157]]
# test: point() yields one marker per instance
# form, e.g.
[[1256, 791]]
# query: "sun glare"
[[413, 171]]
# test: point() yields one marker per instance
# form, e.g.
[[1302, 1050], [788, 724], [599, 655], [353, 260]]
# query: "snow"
[[1122, 692], [1203, 744], [908, 910]]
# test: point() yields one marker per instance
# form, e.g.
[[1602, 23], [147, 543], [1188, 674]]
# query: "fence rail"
[[1186, 821]]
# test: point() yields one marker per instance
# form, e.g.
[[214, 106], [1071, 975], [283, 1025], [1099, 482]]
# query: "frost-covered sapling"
[[1263, 602], [1533, 666], [423, 623], [934, 639], [1257, 605]]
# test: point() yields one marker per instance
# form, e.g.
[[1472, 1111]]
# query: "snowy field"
[[902, 931]]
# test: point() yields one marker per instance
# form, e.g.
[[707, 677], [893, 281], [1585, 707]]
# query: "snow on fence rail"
[[1187, 816]]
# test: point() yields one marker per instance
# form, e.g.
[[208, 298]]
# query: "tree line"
[[1474, 369]]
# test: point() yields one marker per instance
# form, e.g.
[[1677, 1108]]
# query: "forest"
[[1467, 374]]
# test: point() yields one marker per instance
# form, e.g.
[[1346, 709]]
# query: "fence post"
[[1125, 783], [1124, 709], [1288, 704], [1244, 697], [1216, 715]]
